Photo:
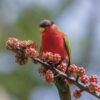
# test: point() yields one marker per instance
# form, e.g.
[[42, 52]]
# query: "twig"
[[77, 78]]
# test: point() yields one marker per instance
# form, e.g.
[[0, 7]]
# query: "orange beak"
[[42, 30]]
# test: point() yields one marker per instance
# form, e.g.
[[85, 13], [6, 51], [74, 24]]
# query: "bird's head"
[[46, 25]]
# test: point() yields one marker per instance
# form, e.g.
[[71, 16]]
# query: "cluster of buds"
[[74, 70], [94, 87], [11, 44], [50, 57], [22, 49], [84, 79], [77, 93], [47, 73], [27, 49], [93, 78], [62, 67], [49, 76]]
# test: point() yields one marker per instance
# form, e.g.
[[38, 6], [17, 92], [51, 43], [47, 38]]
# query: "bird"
[[55, 41]]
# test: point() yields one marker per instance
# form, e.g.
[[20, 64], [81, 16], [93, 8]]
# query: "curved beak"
[[42, 29]]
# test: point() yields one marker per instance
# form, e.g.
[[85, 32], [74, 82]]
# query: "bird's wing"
[[68, 48], [67, 45]]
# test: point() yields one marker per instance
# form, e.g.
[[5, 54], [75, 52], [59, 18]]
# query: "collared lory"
[[55, 41]]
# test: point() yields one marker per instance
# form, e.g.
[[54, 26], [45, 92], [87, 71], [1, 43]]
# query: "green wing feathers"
[[68, 48], [67, 45]]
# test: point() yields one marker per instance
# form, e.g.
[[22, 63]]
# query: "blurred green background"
[[79, 19]]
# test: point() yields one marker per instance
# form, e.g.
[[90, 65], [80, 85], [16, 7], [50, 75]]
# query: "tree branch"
[[71, 79]]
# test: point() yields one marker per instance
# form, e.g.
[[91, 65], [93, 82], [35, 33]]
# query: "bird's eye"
[[45, 23]]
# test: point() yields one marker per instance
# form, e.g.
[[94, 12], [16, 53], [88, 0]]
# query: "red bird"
[[53, 40]]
